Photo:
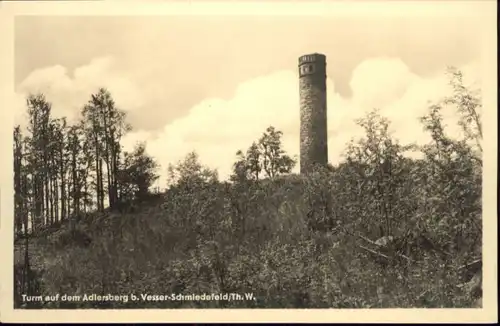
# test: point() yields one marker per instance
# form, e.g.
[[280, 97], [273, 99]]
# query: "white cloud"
[[216, 128], [377, 82], [68, 93]]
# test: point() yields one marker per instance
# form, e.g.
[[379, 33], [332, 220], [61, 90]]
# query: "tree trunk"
[[62, 170]]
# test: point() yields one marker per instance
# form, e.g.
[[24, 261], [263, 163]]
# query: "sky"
[[213, 84]]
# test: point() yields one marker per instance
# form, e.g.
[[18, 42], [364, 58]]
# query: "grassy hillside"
[[267, 238]]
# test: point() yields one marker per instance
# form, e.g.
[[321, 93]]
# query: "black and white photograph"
[[247, 161]]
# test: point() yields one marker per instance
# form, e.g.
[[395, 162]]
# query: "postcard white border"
[[487, 9]]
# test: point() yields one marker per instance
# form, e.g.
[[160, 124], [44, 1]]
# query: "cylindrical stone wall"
[[313, 115]]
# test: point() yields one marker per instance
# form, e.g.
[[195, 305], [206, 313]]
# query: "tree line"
[[62, 170]]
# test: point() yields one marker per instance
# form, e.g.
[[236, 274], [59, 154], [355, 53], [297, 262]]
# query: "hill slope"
[[257, 239]]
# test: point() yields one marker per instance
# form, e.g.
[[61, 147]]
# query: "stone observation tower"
[[313, 126]]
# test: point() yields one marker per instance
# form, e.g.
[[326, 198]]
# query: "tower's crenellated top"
[[314, 63], [313, 57]]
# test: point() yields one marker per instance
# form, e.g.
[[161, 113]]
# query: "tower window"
[[307, 69]]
